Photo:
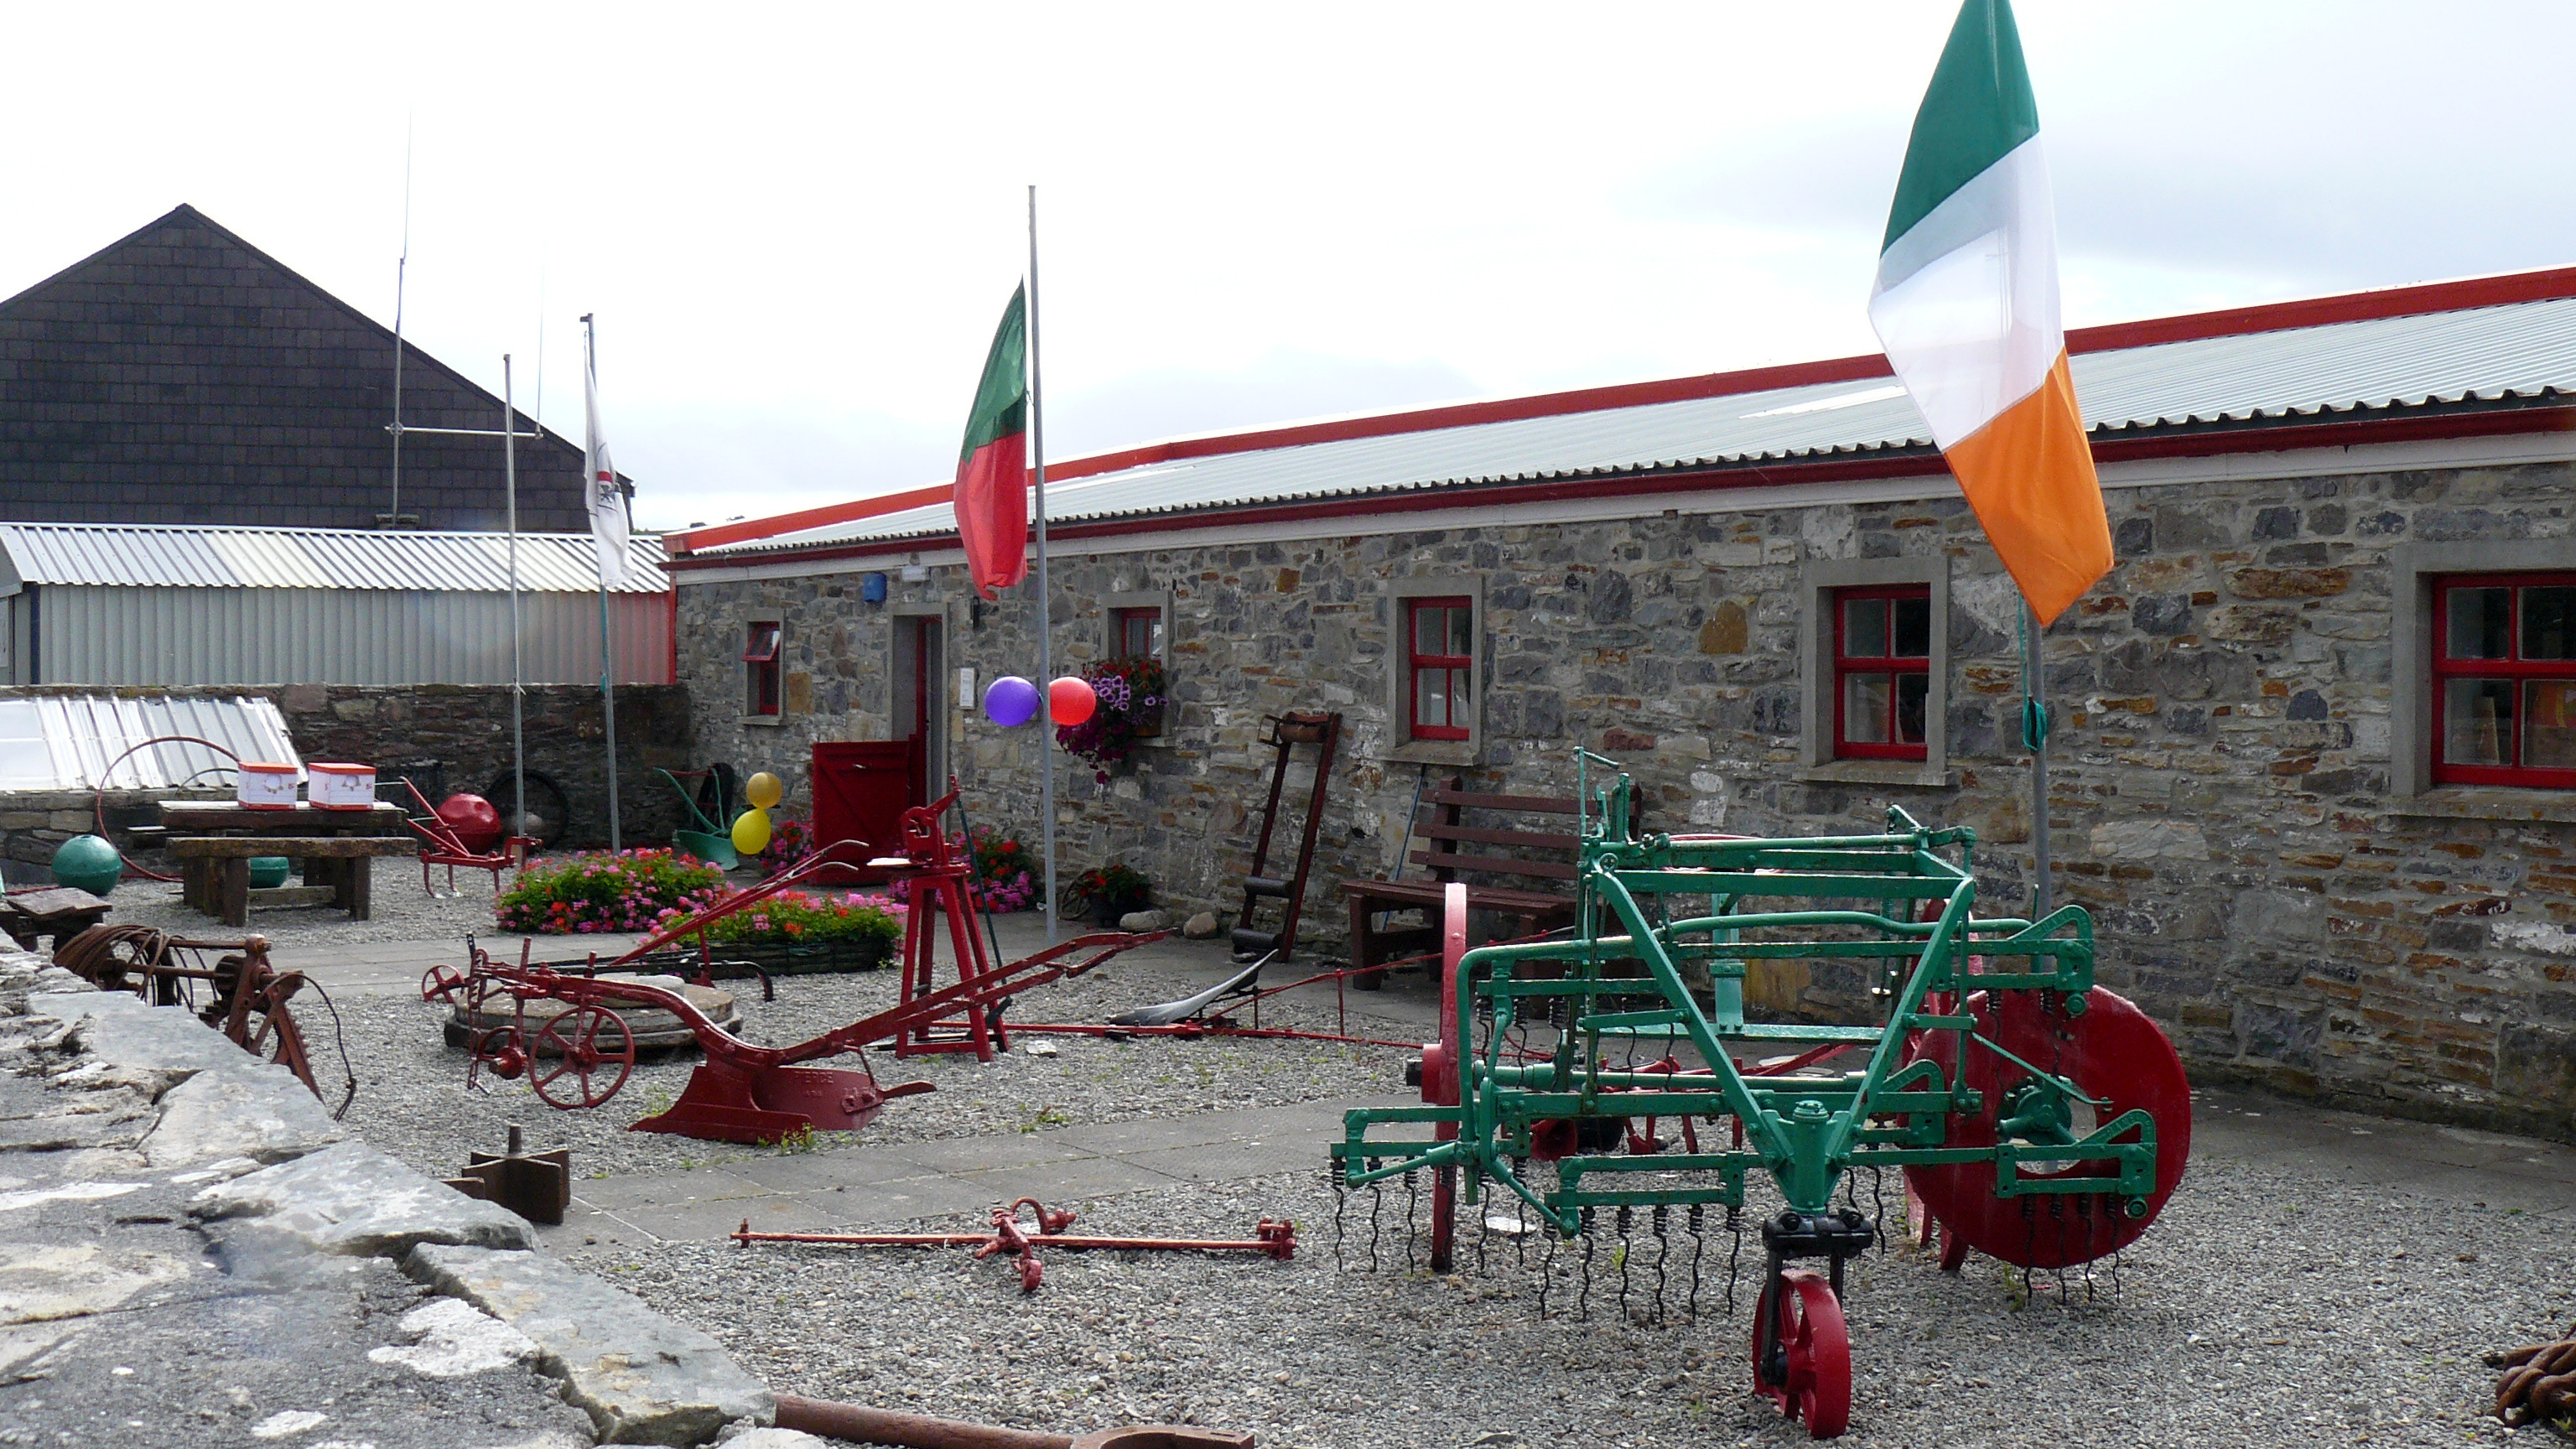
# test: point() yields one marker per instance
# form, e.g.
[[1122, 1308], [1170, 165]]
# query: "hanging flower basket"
[[1131, 709]]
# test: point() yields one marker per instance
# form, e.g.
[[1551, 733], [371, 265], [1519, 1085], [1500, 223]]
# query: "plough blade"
[[730, 1101]]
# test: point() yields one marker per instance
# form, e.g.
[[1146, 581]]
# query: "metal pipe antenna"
[[402, 266], [607, 665], [1046, 623]]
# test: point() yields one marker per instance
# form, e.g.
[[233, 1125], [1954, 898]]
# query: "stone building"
[[2314, 769], [182, 375]]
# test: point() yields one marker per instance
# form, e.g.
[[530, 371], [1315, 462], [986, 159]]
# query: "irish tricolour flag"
[[1966, 306], [992, 498]]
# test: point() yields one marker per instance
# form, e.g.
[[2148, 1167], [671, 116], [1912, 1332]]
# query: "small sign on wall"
[[966, 688]]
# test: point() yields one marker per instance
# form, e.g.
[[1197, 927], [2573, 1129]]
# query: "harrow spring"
[[1663, 1254], [1583, 1301], [1547, 1268], [1699, 1245], [1377, 1201], [1625, 1218], [1341, 1204], [1412, 1201], [1735, 1257]]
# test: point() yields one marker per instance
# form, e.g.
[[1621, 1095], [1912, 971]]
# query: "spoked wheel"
[[1801, 1352], [440, 983], [1440, 1086], [592, 1052]]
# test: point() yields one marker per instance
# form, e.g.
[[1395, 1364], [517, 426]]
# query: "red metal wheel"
[[439, 983], [590, 1045], [2109, 1050], [1441, 1087], [1802, 1352]]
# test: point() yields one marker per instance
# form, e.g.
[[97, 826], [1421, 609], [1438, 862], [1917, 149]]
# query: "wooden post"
[[236, 890]]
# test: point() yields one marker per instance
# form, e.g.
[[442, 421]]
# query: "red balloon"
[[1070, 701], [473, 819]]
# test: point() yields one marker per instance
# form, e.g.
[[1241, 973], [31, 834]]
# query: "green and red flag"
[[993, 467], [1966, 307]]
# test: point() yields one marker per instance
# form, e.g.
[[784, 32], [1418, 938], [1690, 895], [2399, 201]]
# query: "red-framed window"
[[1882, 671], [1136, 633], [2504, 680], [760, 669], [1439, 664]]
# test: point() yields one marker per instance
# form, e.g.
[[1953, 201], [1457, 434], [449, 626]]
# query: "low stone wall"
[[462, 731]]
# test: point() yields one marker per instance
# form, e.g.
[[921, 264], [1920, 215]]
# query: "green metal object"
[[711, 841], [269, 870], [89, 863], [2011, 1091]]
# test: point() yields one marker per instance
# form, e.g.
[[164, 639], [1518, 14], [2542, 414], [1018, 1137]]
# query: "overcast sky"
[[798, 227]]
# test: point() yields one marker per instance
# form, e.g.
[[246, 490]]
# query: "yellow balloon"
[[764, 790], [751, 832]]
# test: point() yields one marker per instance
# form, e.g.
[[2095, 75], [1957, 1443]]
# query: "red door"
[[861, 788]]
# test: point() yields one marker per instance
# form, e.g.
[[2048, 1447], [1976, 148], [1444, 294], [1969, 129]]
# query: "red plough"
[[581, 1055]]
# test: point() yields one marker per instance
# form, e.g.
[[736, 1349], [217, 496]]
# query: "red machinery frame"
[[441, 845]]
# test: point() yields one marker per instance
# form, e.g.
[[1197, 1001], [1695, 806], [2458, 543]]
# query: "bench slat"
[[299, 847], [1481, 835], [1536, 804], [1497, 864]]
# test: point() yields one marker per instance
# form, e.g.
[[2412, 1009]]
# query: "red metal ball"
[[473, 819]]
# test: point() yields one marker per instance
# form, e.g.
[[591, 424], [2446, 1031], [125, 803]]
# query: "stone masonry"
[[2221, 765]]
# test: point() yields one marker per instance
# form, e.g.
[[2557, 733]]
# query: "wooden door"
[[860, 790]]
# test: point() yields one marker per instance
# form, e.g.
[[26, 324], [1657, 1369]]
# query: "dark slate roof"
[[182, 375]]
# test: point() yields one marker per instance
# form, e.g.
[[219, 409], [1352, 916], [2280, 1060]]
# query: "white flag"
[[607, 503]]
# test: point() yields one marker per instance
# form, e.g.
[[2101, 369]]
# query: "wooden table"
[[347, 872], [57, 911]]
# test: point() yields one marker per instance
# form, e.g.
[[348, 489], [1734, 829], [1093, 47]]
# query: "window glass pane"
[[1458, 697], [1911, 692], [2481, 620], [1431, 698], [2549, 724], [1462, 636], [2546, 616], [1427, 628], [1153, 633], [2477, 721], [1913, 628], [1865, 705], [1865, 629]]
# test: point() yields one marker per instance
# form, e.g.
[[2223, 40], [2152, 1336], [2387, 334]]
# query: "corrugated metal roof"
[[74, 741], [2517, 350], [184, 556]]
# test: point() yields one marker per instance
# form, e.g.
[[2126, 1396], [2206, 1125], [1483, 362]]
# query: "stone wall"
[[2220, 771], [464, 728]]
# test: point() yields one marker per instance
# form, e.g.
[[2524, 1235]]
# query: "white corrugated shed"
[[192, 606], [2519, 350], [89, 741]]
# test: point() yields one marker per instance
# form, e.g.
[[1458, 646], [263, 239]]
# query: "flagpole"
[[510, 484], [607, 666], [1046, 667], [2034, 733]]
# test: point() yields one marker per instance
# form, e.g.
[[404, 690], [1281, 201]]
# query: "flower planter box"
[[777, 958]]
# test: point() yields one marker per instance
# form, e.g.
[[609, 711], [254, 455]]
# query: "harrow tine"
[[1547, 1267], [1735, 1257], [1583, 1303], [1341, 1204], [1663, 1254], [1624, 1220], [1377, 1200], [1412, 1202]]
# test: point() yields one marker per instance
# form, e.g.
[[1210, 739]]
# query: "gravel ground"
[[400, 911], [2263, 1309], [412, 1099]]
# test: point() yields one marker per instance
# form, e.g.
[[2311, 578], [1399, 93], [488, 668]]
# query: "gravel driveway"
[[2263, 1310]]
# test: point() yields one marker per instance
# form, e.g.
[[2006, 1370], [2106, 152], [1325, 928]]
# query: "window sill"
[[2489, 802], [763, 721], [1434, 752], [1881, 772]]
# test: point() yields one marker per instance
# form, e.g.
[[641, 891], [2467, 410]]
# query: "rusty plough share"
[[2037, 1117], [246, 998], [1274, 1240], [580, 1055]]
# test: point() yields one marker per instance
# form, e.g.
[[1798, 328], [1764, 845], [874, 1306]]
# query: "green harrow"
[[2037, 1117]]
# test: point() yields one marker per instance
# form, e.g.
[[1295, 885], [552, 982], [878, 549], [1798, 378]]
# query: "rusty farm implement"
[[2037, 1117], [560, 1025]]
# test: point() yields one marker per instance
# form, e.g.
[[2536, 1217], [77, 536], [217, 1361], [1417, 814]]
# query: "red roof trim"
[[688, 540], [2258, 439], [2384, 302]]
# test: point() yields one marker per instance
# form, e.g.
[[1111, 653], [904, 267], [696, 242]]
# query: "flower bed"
[[631, 890], [790, 842], [795, 931]]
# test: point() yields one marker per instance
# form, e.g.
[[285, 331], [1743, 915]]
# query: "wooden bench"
[[1452, 848], [58, 911], [216, 874]]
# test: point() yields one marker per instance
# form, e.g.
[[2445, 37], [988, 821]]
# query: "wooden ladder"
[[1286, 733]]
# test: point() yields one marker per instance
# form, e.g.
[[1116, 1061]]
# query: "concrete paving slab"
[[1226, 1161], [1083, 1177], [1147, 1134], [695, 1221], [666, 1189], [979, 1154]]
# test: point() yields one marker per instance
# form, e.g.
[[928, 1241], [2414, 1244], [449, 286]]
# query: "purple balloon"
[[1011, 700]]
